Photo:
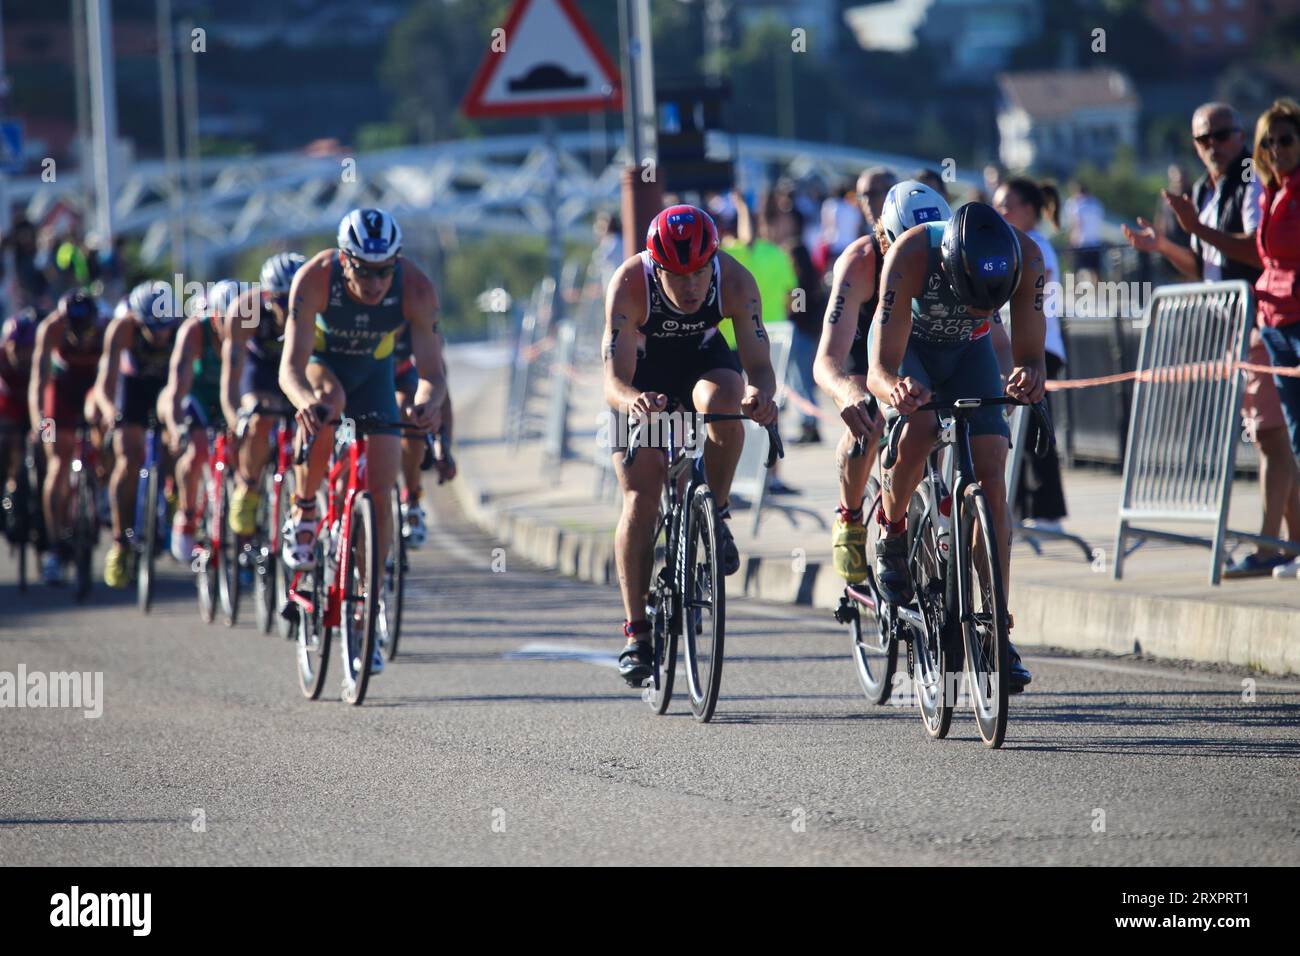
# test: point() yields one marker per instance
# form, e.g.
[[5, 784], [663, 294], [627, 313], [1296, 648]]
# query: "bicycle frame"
[[152, 458]]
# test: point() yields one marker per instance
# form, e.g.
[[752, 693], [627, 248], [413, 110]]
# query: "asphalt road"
[[503, 735]]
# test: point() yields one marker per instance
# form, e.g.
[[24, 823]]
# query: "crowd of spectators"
[[49, 261]]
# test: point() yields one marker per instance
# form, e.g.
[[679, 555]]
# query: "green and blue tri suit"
[[357, 342], [204, 399], [949, 350]]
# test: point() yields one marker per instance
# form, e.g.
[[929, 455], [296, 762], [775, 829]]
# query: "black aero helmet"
[[981, 256]]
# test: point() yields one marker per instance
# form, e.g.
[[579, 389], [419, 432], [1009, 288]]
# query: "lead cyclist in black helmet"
[[944, 284]]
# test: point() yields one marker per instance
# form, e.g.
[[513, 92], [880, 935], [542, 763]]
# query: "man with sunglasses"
[[347, 307], [1221, 217], [250, 376]]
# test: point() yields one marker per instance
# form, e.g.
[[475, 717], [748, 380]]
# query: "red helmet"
[[682, 239]]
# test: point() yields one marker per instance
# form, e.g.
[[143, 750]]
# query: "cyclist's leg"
[[376, 396], [330, 393], [919, 434], [716, 387], [257, 385], [135, 396], [56, 496], [412, 452], [634, 535]]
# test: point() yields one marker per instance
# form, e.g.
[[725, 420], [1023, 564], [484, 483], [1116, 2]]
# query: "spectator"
[[1085, 214], [934, 181], [608, 254], [1277, 239], [992, 178], [841, 220], [1165, 222], [873, 185], [772, 270], [1222, 217], [806, 314], [1022, 202]]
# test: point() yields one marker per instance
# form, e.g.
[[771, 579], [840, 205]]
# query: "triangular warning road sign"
[[547, 60]]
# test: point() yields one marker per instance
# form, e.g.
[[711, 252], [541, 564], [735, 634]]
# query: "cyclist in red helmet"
[[662, 310]]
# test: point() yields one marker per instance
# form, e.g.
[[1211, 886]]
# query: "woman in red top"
[[1277, 163]]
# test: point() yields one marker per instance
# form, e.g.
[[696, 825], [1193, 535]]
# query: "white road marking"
[[540, 650]]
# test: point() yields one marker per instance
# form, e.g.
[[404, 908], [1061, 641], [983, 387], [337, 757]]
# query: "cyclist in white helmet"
[[841, 364], [347, 307], [250, 376]]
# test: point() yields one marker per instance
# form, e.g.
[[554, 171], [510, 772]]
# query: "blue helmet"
[[155, 305], [279, 270], [222, 295]]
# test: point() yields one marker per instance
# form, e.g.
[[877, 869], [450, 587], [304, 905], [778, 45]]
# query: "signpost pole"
[[642, 192], [555, 236]]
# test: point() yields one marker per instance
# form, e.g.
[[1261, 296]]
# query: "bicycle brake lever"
[[890, 455], [1045, 440], [775, 447]]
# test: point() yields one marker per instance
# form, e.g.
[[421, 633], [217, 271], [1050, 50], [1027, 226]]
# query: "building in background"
[[1218, 28], [1055, 119]]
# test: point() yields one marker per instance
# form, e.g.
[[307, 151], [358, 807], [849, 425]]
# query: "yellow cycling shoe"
[[243, 511], [849, 550], [115, 575]]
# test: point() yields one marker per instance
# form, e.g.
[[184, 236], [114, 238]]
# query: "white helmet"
[[279, 270], [222, 295], [909, 204], [370, 235]]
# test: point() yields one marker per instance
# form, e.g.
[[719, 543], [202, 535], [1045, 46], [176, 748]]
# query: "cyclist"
[[662, 310], [17, 339], [190, 403], [69, 343], [841, 364], [250, 371], [132, 373], [347, 307], [944, 284], [414, 447]]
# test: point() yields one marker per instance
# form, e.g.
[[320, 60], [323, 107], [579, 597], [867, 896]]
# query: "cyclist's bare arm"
[[50, 329], [903, 279], [626, 310], [853, 276], [742, 303], [240, 321], [420, 308], [115, 339], [1028, 326], [308, 296], [180, 371]]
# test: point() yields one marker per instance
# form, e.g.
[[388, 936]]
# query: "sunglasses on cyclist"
[[1218, 135], [1285, 141], [370, 272]]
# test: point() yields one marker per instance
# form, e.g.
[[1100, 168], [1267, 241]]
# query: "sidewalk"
[[1163, 607]]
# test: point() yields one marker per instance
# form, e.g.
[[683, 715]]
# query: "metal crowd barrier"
[[531, 359], [1182, 436]]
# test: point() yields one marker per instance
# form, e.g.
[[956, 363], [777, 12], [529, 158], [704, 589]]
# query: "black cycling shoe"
[[728, 554], [892, 576], [637, 663], [1018, 677]]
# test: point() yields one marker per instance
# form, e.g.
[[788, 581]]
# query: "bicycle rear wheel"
[[313, 637], [930, 651], [985, 633], [875, 652], [394, 592], [360, 604], [703, 607]]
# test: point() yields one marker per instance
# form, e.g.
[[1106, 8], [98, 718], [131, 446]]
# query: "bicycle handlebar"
[[1045, 442], [775, 447], [364, 425]]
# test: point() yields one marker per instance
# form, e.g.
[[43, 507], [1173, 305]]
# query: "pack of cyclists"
[[914, 313]]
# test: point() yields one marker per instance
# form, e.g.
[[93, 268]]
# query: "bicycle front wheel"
[[148, 543], [85, 530], [985, 633], [208, 562], [394, 583], [230, 547], [360, 604], [875, 652], [930, 651], [283, 576], [665, 621], [703, 607], [262, 553]]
